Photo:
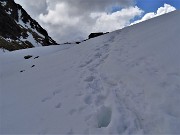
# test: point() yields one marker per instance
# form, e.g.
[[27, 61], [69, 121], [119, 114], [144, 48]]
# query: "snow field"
[[124, 82]]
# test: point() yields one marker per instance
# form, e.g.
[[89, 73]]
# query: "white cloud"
[[60, 15], [76, 27], [117, 20], [162, 10]]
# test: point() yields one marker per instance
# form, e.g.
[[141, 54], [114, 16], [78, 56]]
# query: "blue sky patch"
[[153, 5], [150, 5]]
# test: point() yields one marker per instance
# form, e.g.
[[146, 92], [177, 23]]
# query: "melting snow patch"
[[8, 39], [31, 39], [3, 3], [9, 11]]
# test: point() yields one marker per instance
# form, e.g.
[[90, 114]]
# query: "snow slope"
[[124, 82]]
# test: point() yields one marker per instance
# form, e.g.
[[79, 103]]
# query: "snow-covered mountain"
[[124, 82], [18, 30]]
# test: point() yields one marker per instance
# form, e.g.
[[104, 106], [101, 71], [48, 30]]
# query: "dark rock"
[[22, 71], [27, 56], [36, 57], [78, 42], [93, 35]]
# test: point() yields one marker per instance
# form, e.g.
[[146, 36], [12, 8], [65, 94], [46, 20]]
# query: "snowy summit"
[[123, 82]]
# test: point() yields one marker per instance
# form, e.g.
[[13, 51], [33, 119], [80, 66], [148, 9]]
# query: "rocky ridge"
[[18, 30]]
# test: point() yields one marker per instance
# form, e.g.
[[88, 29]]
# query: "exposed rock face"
[[18, 30]]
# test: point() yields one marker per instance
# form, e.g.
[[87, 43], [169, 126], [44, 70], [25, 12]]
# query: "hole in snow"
[[89, 79], [58, 105], [88, 100], [104, 116]]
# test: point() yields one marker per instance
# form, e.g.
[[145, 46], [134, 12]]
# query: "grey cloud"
[[34, 7], [82, 6]]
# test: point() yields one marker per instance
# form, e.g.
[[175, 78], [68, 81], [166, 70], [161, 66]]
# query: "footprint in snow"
[[81, 108], [86, 63], [98, 55], [72, 111], [100, 100], [79, 94], [88, 100], [101, 118], [89, 79], [70, 132], [58, 105], [56, 92], [45, 99]]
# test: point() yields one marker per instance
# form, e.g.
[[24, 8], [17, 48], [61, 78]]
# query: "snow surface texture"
[[124, 82]]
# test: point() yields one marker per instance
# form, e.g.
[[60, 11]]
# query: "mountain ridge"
[[18, 30]]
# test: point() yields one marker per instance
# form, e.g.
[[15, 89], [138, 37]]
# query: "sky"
[[153, 5], [74, 20]]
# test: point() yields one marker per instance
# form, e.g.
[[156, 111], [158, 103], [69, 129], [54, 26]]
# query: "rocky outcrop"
[[93, 35]]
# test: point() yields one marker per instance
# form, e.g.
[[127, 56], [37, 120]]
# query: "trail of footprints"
[[97, 95], [94, 96]]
